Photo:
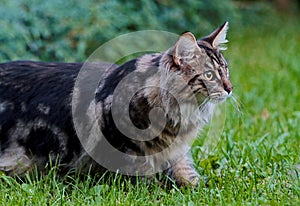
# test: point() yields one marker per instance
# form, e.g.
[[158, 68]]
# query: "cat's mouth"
[[215, 98], [219, 97]]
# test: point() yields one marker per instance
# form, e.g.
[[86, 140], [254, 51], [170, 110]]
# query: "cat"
[[177, 92]]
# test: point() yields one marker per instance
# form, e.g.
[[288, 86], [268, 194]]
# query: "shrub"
[[71, 30]]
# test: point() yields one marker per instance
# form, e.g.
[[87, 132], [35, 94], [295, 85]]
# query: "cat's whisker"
[[237, 104]]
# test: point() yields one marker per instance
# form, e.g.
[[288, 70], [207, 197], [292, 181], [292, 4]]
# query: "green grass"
[[256, 160]]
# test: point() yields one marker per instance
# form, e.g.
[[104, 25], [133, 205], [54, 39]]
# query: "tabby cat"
[[37, 126]]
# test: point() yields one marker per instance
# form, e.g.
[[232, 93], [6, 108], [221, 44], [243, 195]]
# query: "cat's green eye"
[[208, 75]]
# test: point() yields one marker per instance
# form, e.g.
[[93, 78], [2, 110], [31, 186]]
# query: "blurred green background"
[[71, 30], [256, 160]]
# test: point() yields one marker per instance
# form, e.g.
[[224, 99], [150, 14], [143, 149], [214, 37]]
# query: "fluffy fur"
[[181, 86]]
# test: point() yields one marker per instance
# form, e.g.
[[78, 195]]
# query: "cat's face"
[[203, 65]]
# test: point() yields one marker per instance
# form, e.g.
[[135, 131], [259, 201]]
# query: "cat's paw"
[[192, 181]]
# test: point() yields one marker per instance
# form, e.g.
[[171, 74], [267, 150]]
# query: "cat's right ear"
[[217, 38], [184, 47]]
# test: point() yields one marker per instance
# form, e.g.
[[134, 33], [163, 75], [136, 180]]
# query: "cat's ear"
[[185, 46], [217, 38]]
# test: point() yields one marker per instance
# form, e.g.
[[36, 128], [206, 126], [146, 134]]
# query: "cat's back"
[[22, 77], [35, 101], [34, 88]]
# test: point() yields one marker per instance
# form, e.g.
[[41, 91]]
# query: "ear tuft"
[[186, 44], [218, 37]]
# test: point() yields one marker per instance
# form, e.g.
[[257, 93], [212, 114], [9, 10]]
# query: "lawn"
[[255, 160]]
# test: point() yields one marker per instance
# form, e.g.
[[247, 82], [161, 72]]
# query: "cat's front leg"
[[184, 173]]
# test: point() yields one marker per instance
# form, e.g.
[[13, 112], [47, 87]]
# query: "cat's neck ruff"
[[196, 118]]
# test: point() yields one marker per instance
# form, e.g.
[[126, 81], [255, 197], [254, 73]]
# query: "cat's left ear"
[[185, 46], [217, 38]]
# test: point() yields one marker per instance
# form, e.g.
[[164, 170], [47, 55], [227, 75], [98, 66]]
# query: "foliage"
[[256, 161], [71, 30]]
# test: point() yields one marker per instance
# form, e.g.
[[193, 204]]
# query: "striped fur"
[[36, 119]]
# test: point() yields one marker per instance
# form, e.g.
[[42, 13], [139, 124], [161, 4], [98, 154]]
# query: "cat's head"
[[202, 64]]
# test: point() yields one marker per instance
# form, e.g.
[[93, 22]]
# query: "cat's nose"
[[227, 86], [228, 89]]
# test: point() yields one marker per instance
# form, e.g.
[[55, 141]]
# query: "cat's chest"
[[175, 140], [189, 120]]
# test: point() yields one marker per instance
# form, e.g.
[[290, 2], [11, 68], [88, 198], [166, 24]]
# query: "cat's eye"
[[208, 75]]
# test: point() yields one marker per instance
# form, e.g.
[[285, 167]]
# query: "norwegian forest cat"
[[36, 123]]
